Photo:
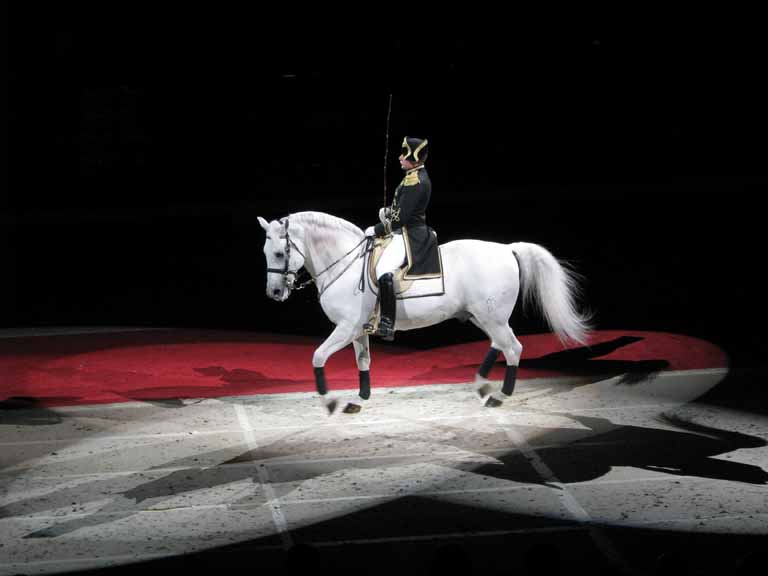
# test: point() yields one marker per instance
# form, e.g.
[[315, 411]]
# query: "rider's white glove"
[[370, 231]]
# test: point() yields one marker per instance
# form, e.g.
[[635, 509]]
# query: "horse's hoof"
[[492, 402], [484, 391], [331, 406], [352, 408]]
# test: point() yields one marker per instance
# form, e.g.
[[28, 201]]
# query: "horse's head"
[[285, 257]]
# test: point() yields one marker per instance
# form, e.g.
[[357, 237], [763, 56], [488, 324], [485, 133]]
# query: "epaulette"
[[411, 178]]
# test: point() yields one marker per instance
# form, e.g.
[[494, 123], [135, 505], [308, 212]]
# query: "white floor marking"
[[408, 456], [356, 423], [272, 501], [430, 493], [568, 500]]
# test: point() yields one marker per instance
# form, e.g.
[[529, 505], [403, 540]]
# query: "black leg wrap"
[[490, 360], [322, 385], [365, 384], [510, 376]]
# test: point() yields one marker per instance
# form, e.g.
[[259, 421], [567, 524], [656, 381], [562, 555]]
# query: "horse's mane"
[[315, 220]]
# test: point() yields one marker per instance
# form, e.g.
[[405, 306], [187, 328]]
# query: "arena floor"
[[606, 470]]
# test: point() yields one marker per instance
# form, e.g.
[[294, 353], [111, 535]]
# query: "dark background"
[[142, 146]]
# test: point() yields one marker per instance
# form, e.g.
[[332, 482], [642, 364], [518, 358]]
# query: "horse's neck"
[[325, 245]]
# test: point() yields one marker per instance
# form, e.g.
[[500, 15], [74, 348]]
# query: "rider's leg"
[[392, 259], [388, 307]]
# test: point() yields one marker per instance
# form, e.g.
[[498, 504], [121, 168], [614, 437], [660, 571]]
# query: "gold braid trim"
[[418, 149]]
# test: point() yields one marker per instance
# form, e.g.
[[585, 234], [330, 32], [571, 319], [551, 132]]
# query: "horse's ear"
[[264, 223]]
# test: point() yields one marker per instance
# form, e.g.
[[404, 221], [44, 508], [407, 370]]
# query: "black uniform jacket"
[[408, 217]]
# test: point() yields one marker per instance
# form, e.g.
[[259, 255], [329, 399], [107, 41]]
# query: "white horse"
[[482, 281]]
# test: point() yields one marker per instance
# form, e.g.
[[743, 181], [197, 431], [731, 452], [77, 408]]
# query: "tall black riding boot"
[[387, 295]]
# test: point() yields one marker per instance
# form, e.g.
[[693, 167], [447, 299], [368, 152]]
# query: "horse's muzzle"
[[279, 294]]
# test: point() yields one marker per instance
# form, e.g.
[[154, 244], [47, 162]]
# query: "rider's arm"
[[383, 228], [413, 200]]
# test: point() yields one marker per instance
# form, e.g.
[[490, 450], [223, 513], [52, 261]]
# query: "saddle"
[[405, 286], [373, 259]]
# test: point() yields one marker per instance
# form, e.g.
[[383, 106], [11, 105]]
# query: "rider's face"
[[406, 164]]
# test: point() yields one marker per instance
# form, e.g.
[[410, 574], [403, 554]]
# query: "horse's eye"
[[279, 255]]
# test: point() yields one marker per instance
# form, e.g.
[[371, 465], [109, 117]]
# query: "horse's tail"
[[552, 287]]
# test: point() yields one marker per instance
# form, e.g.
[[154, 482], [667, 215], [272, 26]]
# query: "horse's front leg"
[[363, 358], [339, 338]]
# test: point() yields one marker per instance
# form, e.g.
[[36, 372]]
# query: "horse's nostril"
[[276, 292]]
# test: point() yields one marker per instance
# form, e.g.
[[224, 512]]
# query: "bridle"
[[286, 272]]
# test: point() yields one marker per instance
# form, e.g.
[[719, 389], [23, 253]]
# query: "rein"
[[286, 272]]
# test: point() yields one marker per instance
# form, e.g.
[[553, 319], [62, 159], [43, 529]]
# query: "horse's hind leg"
[[504, 340], [487, 365], [484, 387], [363, 358]]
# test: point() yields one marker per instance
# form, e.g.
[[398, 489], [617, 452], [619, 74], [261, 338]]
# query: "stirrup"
[[369, 329]]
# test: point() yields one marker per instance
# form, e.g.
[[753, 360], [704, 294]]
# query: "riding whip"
[[386, 148]]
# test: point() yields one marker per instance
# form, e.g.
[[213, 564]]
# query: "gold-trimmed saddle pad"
[[410, 288]]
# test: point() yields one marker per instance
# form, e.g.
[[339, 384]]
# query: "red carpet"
[[175, 364]]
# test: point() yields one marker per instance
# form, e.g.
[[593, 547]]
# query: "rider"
[[407, 214]]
